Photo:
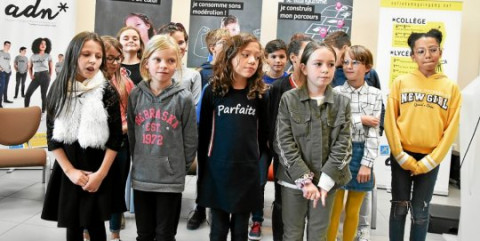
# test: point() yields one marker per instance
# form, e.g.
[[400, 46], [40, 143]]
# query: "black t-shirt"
[[133, 72]]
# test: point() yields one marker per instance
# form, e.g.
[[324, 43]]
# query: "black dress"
[[69, 204], [231, 138]]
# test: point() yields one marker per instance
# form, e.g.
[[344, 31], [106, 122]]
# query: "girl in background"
[[232, 137], [162, 131], [40, 69], [313, 141], [121, 166], [189, 78], [142, 23], [366, 104], [132, 51], [84, 134], [420, 130]]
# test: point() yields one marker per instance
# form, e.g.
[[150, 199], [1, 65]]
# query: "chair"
[[17, 126]]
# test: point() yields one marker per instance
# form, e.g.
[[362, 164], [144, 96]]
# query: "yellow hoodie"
[[422, 116]]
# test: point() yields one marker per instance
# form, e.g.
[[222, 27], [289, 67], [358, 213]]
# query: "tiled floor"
[[21, 198]]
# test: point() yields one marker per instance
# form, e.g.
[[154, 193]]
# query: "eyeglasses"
[[111, 59], [221, 42], [431, 50], [354, 62]]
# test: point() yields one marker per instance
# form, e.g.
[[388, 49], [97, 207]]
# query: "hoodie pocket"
[[152, 169]]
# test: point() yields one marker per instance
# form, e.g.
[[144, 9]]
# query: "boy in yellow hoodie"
[[421, 123]]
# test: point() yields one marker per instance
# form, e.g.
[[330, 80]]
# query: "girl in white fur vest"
[[84, 133]]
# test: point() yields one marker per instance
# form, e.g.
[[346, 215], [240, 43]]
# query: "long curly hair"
[[223, 69]]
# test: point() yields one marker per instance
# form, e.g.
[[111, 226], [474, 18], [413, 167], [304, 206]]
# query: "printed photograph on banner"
[[26, 25], [316, 18], [145, 15], [234, 15]]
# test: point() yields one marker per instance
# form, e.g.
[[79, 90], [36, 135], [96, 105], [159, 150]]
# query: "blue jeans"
[[418, 201], [120, 169]]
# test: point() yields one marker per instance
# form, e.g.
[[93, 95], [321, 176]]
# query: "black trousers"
[[41, 79], [157, 215], [20, 79], [96, 232], [222, 221]]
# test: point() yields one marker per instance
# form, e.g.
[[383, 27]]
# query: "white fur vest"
[[86, 120]]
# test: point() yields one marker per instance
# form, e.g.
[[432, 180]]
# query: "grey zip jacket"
[[311, 138], [162, 132]]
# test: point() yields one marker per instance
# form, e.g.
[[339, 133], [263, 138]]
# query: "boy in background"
[[276, 56], [59, 64], [21, 66]]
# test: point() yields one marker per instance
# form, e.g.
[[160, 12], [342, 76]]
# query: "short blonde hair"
[[158, 42], [216, 35]]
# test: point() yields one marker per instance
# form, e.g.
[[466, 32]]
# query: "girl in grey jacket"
[[162, 132], [313, 142]]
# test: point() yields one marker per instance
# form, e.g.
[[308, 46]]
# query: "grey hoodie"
[[162, 131]]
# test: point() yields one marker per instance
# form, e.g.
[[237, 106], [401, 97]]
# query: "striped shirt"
[[364, 101]]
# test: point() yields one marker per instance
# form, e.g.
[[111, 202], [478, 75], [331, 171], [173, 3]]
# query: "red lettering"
[[164, 115]]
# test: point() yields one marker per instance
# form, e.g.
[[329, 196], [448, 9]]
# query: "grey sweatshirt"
[[162, 132]]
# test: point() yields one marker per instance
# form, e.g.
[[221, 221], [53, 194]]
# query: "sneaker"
[[196, 220], [363, 234], [256, 231]]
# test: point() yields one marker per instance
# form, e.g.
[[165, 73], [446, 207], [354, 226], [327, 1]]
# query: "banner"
[[398, 19], [111, 15], [316, 18], [209, 15]]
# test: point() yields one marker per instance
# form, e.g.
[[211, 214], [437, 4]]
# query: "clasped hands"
[[312, 192], [88, 181]]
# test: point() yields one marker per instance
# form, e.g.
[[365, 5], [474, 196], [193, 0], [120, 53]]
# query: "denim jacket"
[[312, 138]]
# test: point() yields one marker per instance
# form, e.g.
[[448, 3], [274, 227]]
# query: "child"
[[313, 141], [59, 64], [163, 140], [40, 68], [423, 111], [132, 51], [293, 80], [365, 103], [142, 23], [189, 78], [21, 66], [215, 40], [276, 56], [339, 41], [121, 165], [231, 138], [84, 134]]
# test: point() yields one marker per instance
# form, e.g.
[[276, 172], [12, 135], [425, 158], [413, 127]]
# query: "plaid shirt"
[[365, 100]]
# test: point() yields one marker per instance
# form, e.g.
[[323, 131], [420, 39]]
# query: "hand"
[[310, 192], [94, 182], [370, 121], [32, 77], [324, 194], [124, 129], [78, 177], [364, 174]]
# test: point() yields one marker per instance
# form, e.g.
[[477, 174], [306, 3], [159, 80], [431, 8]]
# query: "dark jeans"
[[3, 76], [157, 215], [257, 215], [417, 201], [20, 80], [277, 222], [222, 221], [5, 87], [96, 232], [119, 170], [41, 79]]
